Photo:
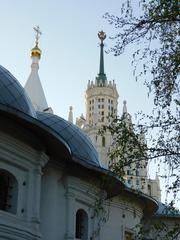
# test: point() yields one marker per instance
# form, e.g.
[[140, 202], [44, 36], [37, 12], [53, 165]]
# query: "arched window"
[[81, 225], [149, 189], [8, 192]]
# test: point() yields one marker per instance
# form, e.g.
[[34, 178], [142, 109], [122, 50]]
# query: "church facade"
[[52, 183]]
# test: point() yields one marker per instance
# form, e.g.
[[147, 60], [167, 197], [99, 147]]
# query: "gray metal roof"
[[79, 143], [12, 94], [166, 210]]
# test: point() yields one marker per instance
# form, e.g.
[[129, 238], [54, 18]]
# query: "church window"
[[111, 101], [92, 107], [99, 99], [102, 99], [81, 225], [99, 106], [149, 189], [102, 106], [103, 141], [128, 235], [90, 102], [8, 192], [102, 113], [102, 119], [93, 101]]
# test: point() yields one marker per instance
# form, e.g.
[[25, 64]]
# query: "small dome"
[[36, 52], [81, 147], [12, 94]]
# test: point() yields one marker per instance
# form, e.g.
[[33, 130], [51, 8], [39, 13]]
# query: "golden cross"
[[38, 33]]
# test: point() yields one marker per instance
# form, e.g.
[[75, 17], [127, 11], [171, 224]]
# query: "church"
[[55, 182]]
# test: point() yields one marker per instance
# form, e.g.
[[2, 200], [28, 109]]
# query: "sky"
[[70, 51]]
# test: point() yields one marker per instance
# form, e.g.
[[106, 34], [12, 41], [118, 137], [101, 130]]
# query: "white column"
[[70, 215]]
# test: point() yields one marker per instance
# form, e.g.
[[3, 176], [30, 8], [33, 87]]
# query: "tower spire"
[[33, 85], [70, 117], [101, 74]]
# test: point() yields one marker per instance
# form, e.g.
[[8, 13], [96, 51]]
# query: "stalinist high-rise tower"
[[101, 103]]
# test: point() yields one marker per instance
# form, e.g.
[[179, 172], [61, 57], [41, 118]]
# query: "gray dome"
[[12, 94], [81, 147]]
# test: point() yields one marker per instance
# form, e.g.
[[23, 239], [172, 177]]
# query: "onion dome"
[[36, 52], [13, 95], [82, 149]]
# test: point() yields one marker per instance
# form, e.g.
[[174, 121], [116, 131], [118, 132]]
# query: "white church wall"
[[24, 163], [62, 196], [124, 215]]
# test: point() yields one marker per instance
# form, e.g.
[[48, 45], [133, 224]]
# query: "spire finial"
[[124, 106], [37, 34], [36, 51], [70, 117], [101, 75], [102, 36]]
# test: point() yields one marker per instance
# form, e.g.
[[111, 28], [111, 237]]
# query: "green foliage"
[[155, 31]]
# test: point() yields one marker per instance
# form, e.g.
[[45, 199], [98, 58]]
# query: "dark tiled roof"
[[12, 94], [79, 143], [166, 210]]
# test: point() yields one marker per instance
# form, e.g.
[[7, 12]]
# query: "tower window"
[[137, 182], [103, 141], [8, 192], [102, 99], [81, 225], [102, 113]]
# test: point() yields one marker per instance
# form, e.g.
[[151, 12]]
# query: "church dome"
[[81, 147], [36, 52], [13, 94]]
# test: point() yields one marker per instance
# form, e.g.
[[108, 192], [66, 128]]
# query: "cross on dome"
[[37, 34]]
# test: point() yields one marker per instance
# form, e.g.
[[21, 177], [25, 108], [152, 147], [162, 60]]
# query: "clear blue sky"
[[70, 52]]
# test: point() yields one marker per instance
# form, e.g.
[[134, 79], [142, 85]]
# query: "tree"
[[155, 31]]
